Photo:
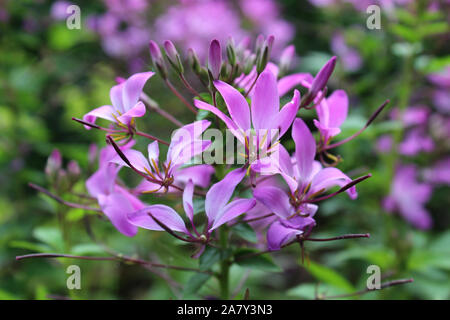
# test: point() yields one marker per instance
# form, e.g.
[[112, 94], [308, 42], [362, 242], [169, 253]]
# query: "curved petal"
[[116, 207], [287, 113], [135, 112], [162, 213], [102, 181], [265, 101], [200, 175], [338, 108], [305, 149], [220, 193], [135, 157], [188, 205], [275, 199], [222, 116], [115, 95], [279, 235], [236, 104], [104, 112], [233, 210], [287, 83], [153, 152], [330, 177], [133, 88]]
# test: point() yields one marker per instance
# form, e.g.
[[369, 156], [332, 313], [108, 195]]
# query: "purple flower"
[[218, 208], [306, 180], [263, 116], [332, 112], [114, 200], [416, 141], [125, 101], [439, 173], [351, 59], [409, 197], [185, 144]]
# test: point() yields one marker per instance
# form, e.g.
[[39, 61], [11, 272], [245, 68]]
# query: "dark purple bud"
[[321, 79], [215, 58]]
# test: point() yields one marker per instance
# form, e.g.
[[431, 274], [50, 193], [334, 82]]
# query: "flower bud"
[[231, 51], [53, 165], [286, 58], [173, 56], [157, 59], [73, 171], [193, 60], [215, 59], [321, 79]]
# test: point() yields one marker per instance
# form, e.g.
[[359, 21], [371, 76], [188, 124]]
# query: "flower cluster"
[[242, 96]]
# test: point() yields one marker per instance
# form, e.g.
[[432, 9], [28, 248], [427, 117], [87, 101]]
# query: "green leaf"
[[195, 283], [329, 276], [39, 247], [246, 232], [202, 114], [310, 290], [49, 235], [87, 249], [260, 262], [209, 258]]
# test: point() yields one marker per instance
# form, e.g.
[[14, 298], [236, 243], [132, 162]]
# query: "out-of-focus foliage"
[[49, 74]]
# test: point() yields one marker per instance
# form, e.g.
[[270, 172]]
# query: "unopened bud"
[[215, 59], [286, 58], [231, 51], [194, 61], [173, 56], [321, 79], [157, 59], [73, 171], [54, 163]]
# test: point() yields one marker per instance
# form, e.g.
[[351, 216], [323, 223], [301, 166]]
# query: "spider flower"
[[332, 112], [185, 144], [218, 208], [252, 126], [408, 196], [115, 201], [125, 102]]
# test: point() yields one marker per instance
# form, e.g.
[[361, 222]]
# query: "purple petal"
[[275, 199], [321, 79], [116, 96], [265, 101], [287, 83], [104, 112], [282, 232], [233, 210], [287, 113], [133, 88], [135, 157], [116, 207], [338, 108], [236, 104], [153, 151], [162, 213], [330, 177], [220, 193], [305, 149], [102, 181], [188, 206], [135, 112], [200, 175]]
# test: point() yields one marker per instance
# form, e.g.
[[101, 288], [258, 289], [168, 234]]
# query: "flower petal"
[[338, 108], [265, 101], [236, 104], [135, 157], [233, 210], [135, 112], [287, 113], [287, 83], [188, 205], [104, 112], [133, 88], [275, 199], [166, 215], [220, 193], [200, 175], [116, 207], [305, 149]]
